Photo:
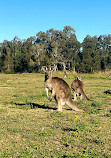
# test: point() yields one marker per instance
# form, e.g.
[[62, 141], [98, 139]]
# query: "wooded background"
[[56, 48]]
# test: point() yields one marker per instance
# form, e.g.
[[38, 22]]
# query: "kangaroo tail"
[[83, 93], [72, 105]]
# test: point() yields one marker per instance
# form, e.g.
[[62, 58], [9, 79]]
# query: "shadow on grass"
[[70, 129], [35, 105], [32, 105]]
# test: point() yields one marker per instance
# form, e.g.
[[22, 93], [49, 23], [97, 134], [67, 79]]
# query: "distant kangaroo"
[[59, 89], [77, 87], [65, 74]]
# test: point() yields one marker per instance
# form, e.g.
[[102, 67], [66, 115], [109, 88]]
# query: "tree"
[[7, 60], [90, 54]]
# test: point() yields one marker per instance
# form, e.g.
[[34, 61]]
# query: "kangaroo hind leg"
[[60, 103]]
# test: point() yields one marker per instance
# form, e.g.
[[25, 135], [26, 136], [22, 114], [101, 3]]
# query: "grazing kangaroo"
[[77, 87], [59, 89]]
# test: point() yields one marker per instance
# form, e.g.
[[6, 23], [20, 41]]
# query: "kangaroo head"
[[48, 72], [78, 78]]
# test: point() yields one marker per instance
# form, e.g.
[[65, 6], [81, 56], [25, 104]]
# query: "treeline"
[[58, 48]]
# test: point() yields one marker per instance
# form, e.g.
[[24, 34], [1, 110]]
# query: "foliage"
[[56, 48]]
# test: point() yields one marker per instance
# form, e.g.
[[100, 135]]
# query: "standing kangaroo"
[[59, 89], [78, 88]]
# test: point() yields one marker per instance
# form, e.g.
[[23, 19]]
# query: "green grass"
[[31, 127]]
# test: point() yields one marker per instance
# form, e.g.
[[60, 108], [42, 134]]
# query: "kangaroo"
[[77, 87], [65, 74], [59, 89]]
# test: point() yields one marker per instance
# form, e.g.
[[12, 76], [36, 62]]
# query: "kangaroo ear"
[[51, 68], [44, 68], [79, 78]]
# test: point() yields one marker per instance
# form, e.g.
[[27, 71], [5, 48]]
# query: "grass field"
[[30, 126]]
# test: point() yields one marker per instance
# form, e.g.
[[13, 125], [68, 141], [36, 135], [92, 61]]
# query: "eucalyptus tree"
[[104, 43], [71, 47], [6, 61], [90, 54]]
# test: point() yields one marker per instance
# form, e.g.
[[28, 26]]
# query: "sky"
[[25, 18]]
